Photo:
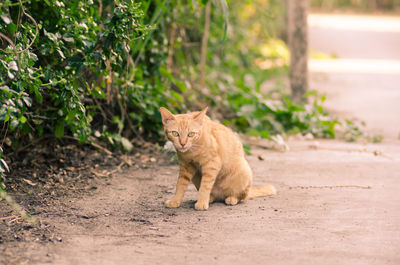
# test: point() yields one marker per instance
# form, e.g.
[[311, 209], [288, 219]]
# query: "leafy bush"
[[78, 65], [258, 116], [101, 69]]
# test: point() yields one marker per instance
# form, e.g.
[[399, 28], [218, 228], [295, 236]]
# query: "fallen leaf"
[[144, 158], [73, 169], [127, 160]]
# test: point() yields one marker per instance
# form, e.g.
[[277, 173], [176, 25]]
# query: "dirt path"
[[338, 203]]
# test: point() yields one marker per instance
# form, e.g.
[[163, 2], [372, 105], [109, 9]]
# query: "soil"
[[344, 210], [46, 178]]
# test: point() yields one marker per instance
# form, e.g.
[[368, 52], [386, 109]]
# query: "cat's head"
[[183, 130]]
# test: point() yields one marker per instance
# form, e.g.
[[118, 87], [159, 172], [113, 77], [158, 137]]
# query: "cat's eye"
[[175, 133], [191, 134]]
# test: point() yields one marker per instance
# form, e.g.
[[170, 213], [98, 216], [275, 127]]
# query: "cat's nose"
[[183, 145]]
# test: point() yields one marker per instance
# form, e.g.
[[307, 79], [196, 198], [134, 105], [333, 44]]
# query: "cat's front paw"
[[201, 206], [172, 204], [231, 200]]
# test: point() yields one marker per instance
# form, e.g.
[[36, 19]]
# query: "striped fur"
[[210, 156]]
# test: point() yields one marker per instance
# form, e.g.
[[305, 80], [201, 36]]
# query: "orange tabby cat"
[[212, 157]]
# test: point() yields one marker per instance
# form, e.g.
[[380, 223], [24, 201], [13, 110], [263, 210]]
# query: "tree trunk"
[[298, 45], [204, 41]]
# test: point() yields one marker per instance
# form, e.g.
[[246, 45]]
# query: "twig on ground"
[[101, 148], [16, 219], [105, 174], [17, 208], [105, 150], [8, 217]]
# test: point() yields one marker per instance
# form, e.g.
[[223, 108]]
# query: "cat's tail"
[[260, 191]]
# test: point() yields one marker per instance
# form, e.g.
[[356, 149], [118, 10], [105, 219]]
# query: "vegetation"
[[98, 70]]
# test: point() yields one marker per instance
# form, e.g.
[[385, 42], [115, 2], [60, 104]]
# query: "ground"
[[337, 202]]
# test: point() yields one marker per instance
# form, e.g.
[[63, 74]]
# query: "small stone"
[[309, 136], [377, 153], [314, 145]]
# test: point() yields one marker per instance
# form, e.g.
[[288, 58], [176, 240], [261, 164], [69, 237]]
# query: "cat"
[[211, 156]]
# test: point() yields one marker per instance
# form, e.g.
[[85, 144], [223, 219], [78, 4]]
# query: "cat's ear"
[[199, 116], [166, 115]]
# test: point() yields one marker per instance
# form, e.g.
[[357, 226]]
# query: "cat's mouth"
[[183, 149]]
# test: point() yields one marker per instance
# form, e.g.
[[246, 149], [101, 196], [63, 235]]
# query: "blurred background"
[[98, 71], [361, 75]]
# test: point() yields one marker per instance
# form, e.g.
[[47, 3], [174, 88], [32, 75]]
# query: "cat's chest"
[[193, 161], [195, 164]]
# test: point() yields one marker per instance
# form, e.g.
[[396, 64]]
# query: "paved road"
[[364, 82]]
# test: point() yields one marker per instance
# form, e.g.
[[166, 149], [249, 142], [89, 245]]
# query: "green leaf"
[[177, 96], [98, 92], [14, 124], [32, 56], [247, 149], [3, 114], [12, 28], [28, 101], [51, 36], [39, 129], [75, 61], [10, 75], [38, 95], [61, 53], [4, 165], [264, 134], [68, 37], [98, 55], [253, 132], [311, 93], [8, 90], [59, 130], [13, 65], [182, 87], [22, 119], [165, 73]]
